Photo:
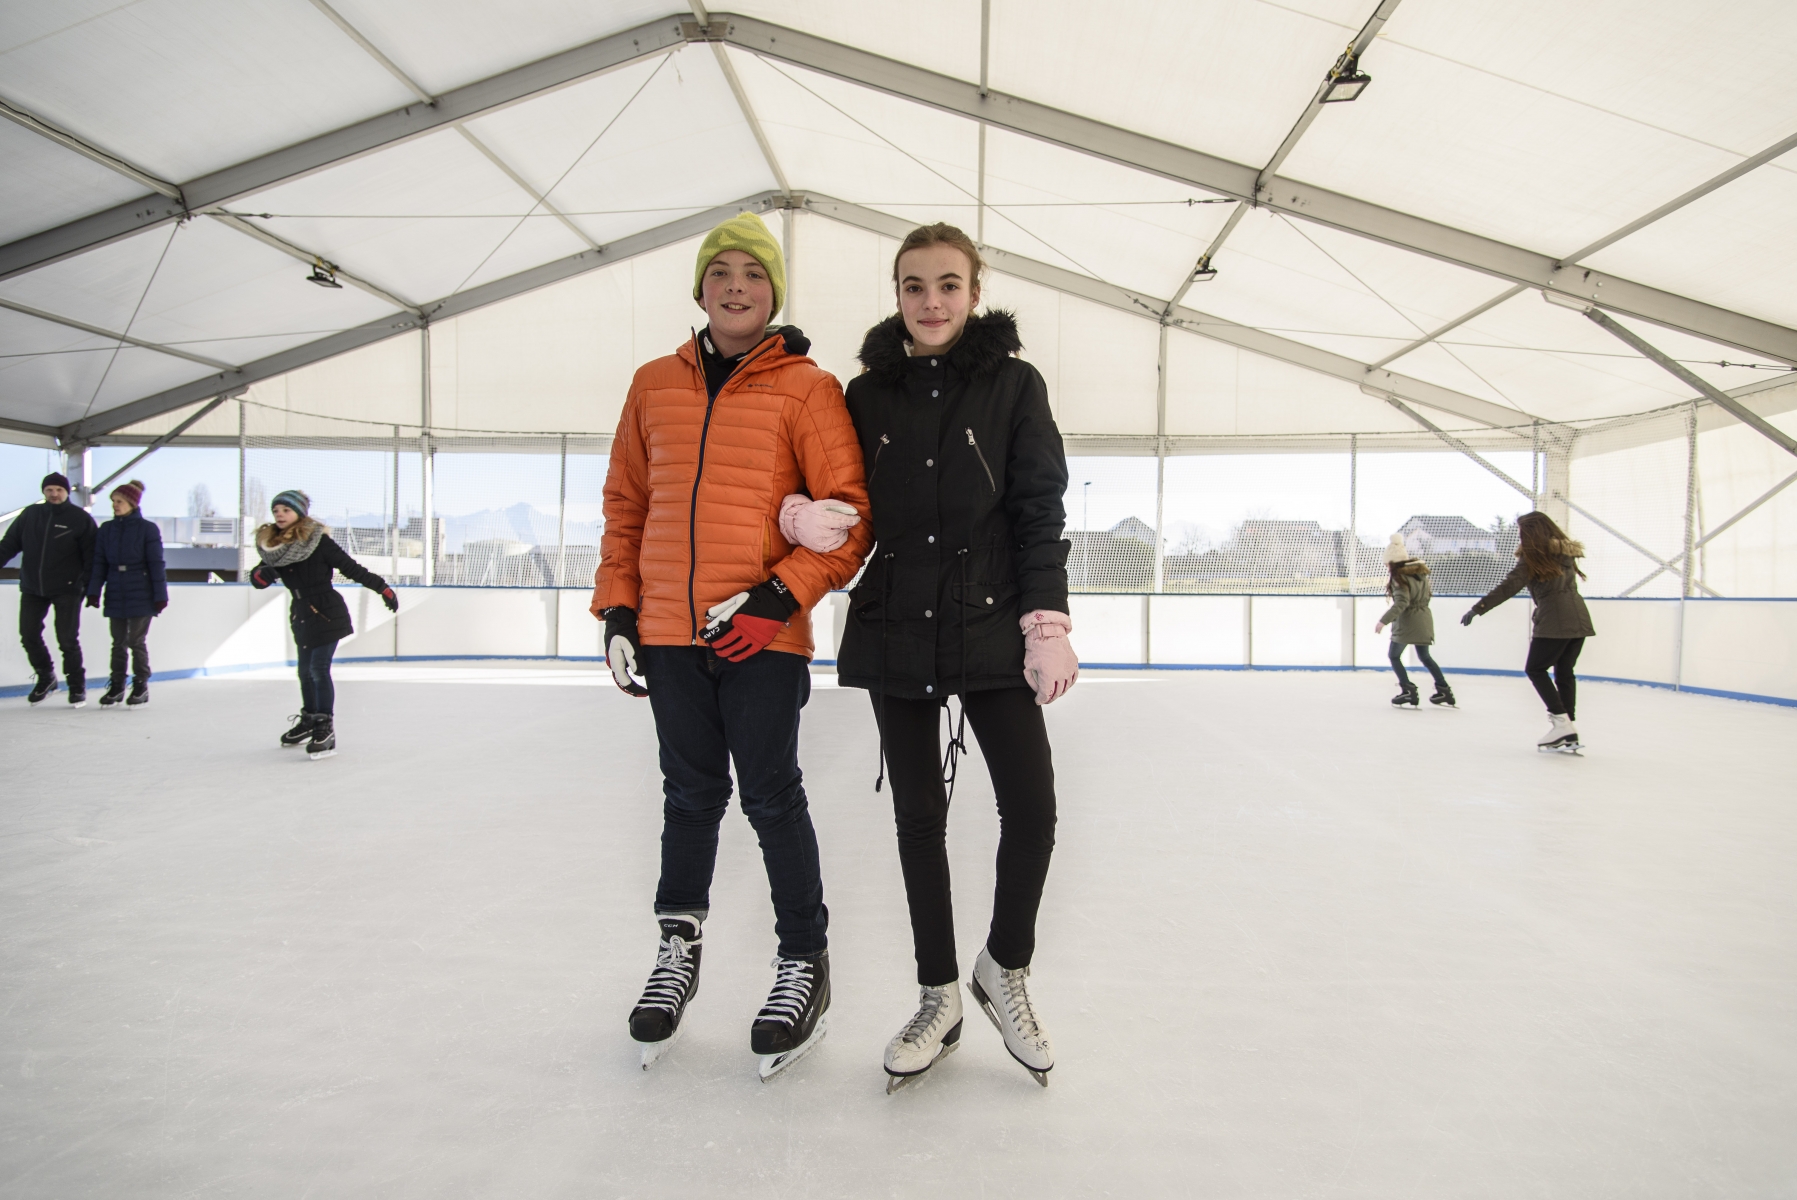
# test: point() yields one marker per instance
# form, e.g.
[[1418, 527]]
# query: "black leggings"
[[1560, 693], [1422, 652], [1014, 740]]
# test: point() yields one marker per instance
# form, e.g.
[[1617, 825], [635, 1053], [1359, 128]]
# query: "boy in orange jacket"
[[701, 590]]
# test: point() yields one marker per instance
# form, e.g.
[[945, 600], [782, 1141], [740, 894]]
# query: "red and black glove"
[[744, 624], [390, 600], [258, 580]]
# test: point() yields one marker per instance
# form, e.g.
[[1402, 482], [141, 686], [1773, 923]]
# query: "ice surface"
[[1294, 944]]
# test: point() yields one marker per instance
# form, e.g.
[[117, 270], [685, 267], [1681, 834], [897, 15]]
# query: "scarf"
[[288, 553]]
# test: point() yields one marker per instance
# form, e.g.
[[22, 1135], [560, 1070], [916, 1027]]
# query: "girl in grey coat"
[[1412, 624], [1547, 564]]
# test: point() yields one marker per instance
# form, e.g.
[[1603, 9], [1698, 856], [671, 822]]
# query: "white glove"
[[820, 525]]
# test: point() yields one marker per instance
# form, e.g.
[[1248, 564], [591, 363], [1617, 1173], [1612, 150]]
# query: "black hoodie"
[[966, 477], [57, 546]]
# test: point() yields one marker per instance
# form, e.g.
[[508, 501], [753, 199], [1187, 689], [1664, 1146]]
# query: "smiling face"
[[935, 297], [284, 516], [738, 299]]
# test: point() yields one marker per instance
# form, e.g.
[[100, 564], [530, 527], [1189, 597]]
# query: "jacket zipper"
[[982, 457], [692, 513], [884, 442]]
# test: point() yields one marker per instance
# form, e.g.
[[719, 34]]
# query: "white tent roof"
[[175, 168]]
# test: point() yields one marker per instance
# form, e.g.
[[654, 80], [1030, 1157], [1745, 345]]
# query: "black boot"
[[301, 732], [77, 694], [1407, 694], [45, 685], [1443, 695], [140, 693], [324, 737], [115, 694], [792, 1020]]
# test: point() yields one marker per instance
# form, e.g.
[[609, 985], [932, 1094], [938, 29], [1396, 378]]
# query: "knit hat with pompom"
[[132, 491], [1397, 552]]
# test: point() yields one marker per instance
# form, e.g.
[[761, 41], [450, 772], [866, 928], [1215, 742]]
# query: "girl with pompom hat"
[[128, 568], [1412, 624]]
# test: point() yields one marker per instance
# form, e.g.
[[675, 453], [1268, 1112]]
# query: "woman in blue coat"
[[128, 568]]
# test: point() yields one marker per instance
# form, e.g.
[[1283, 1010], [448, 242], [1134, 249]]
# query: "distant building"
[[1446, 535]]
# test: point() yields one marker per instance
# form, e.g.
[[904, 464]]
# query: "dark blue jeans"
[[317, 693], [709, 712], [1422, 652]]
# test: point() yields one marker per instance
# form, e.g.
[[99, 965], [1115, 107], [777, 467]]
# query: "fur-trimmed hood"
[[1566, 547], [986, 341], [1415, 566]]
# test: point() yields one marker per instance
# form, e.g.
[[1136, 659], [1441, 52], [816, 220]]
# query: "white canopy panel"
[[1540, 127]]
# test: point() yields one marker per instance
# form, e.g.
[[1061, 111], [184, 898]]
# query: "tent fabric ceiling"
[[1542, 125]]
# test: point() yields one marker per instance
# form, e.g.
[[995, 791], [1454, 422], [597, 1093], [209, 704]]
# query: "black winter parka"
[[318, 613], [55, 543], [128, 567], [966, 478]]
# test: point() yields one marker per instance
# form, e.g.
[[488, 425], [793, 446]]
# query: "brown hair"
[[272, 535], [1396, 570], [942, 234], [1542, 544]]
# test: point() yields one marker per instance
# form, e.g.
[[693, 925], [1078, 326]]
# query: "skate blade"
[[653, 1051], [311, 757], [773, 1064], [895, 1081], [985, 1003]]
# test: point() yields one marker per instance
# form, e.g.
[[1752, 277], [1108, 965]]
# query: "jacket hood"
[[793, 342], [986, 341], [1415, 566]]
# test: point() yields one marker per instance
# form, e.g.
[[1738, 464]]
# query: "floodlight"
[[322, 274], [1576, 303], [1203, 272], [1344, 81]]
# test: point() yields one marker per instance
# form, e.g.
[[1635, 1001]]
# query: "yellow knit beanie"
[[745, 232]]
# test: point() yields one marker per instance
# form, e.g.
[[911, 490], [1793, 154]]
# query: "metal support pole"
[[1353, 512], [427, 464], [1535, 464], [1684, 591], [979, 234], [561, 521], [78, 465], [1160, 466], [787, 222], [393, 529], [243, 490]]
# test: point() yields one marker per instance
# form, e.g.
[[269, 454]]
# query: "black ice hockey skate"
[[792, 1022], [301, 733], [1443, 695], [1407, 694], [655, 1021], [45, 685]]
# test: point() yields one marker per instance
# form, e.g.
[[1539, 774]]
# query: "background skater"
[[698, 585], [128, 567], [1547, 564], [55, 544], [1412, 624], [297, 551]]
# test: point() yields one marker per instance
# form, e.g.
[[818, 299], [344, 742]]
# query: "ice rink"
[[1294, 944]]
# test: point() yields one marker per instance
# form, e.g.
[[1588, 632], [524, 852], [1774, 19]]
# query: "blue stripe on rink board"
[[194, 672]]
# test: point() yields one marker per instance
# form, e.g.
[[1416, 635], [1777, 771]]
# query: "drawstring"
[[957, 735], [885, 603]]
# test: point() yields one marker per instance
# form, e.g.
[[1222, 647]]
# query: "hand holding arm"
[[817, 525]]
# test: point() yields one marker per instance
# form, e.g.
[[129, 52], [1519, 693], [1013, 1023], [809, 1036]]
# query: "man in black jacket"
[[55, 541]]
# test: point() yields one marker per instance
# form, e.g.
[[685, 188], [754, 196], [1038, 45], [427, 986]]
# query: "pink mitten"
[[820, 525], [1049, 663]]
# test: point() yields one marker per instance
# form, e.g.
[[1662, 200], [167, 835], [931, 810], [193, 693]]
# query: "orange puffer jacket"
[[692, 499]]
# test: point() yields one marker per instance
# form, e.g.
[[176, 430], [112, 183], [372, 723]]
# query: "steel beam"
[[69, 141], [386, 327], [199, 414], [1182, 164], [124, 338], [251, 229], [1690, 379], [32, 427], [341, 145], [1218, 329]]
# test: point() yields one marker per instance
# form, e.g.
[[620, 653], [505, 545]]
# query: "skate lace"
[[673, 974], [791, 991], [931, 1003], [1017, 1002]]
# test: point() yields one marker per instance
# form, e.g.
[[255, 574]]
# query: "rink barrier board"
[[1734, 648]]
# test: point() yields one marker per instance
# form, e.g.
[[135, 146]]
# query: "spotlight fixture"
[[1576, 303], [322, 274], [1344, 81], [1204, 272]]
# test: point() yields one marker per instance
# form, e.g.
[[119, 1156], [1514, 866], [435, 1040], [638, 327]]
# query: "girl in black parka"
[[128, 568], [965, 594], [296, 550]]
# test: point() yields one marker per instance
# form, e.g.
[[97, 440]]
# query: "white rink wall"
[[1745, 648]]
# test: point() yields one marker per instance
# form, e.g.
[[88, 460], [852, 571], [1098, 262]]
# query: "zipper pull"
[[970, 440]]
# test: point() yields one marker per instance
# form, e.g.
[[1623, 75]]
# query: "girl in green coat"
[[1411, 622]]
